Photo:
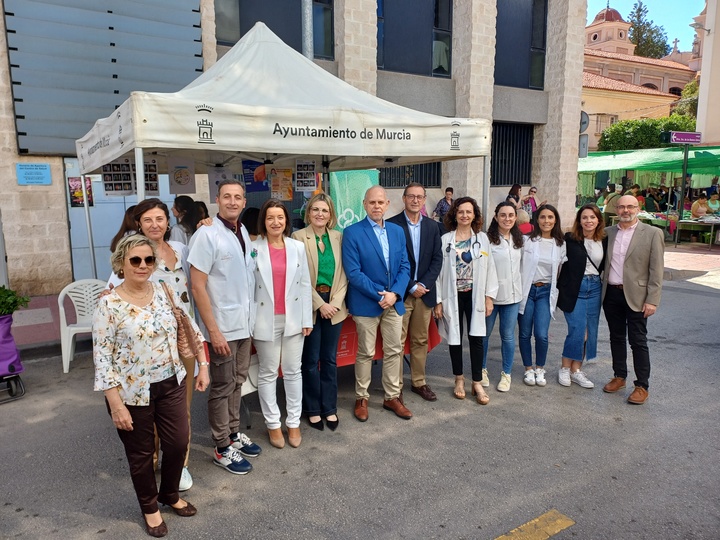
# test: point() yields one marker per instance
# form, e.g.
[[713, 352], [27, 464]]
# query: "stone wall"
[[356, 43], [555, 147], [35, 221]]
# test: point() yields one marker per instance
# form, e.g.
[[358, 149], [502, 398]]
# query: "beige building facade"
[[35, 218]]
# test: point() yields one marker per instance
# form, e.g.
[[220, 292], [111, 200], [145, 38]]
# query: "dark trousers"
[[167, 412], [476, 342], [621, 321], [319, 367]]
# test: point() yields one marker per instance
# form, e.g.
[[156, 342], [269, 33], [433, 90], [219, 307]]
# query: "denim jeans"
[[508, 320], [536, 319], [585, 317], [319, 367]]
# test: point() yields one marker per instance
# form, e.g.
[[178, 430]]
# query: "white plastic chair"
[[84, 295]]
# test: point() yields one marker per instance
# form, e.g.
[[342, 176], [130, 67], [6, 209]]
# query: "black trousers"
[[621, 321], [476, 342], [168, 412]]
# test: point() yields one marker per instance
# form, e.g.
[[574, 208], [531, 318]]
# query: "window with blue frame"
[[415, 36], [234, 18]]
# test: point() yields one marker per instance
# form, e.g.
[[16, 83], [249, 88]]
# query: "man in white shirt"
[[632, 284], [223, 284]]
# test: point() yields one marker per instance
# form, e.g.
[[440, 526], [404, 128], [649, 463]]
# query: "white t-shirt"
[[543, 272], [595, 252]]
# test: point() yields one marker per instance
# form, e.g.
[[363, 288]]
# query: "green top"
[[326, 261]]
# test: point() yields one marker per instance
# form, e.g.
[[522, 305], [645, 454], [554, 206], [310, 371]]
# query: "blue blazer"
[[365, 268]]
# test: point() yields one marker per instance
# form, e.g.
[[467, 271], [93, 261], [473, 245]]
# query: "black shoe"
[[332, 424], [317, 425]]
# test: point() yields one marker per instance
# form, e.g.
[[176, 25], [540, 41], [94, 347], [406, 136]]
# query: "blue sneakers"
[[244, 445], [231, 460]]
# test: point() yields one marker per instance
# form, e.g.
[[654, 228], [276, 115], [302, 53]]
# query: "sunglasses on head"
[[135, 261]]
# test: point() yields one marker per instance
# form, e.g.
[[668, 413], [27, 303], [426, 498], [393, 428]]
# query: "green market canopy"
[[701, 160]]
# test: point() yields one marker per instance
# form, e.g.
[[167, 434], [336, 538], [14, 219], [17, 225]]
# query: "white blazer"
[[298, 292], [528, 265], [485, 283]]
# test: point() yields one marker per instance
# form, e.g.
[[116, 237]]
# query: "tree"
[[645, 133], [689, 103], [650, 40]]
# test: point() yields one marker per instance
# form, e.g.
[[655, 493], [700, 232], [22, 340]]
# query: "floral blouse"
[[127, 347]]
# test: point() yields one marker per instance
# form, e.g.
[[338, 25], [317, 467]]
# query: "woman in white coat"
[[283, 296], [543, 253], [466, 287]]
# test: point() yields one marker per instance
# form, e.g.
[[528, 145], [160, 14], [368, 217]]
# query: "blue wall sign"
[[33, 174]]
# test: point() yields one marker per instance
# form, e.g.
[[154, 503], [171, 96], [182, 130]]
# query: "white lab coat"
[[485, 283], [298, 291], [530, 258]]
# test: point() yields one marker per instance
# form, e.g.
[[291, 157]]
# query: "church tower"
[[609, 33]]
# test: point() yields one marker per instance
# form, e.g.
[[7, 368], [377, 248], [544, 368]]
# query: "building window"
[[675, 91], [604, 121], [520, 43], [415, 36], [511, 154], [427, 174], [651, 86], [234, 18]]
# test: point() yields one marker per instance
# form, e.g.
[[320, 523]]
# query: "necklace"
[[148, 289]]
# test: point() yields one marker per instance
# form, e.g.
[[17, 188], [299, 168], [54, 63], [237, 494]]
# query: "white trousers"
[[285, 351]]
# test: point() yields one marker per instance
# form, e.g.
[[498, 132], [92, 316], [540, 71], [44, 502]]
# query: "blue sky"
[[673, 15]]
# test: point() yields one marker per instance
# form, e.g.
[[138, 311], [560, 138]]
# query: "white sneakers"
[[485, 380], [186, 480], [529, 377], [504, 384], [579, 378], [540, 376], [564, 376]]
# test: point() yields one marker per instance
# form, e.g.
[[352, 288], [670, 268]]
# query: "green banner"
[[347, 189]]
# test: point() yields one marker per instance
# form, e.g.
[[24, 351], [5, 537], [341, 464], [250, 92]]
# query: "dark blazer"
[[365, 268], [430, 263], [573, 271]]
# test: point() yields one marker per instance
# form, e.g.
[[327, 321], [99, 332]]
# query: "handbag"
[[188, 344]]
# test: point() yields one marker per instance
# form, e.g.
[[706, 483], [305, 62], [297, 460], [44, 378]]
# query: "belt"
[[616, 286], [322, 288], [539, 284]]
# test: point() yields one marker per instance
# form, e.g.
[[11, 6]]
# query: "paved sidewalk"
[[37, 328]]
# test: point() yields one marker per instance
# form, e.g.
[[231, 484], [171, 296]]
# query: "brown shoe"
[[638, 396], [615, 384], [361, 410], [277, 439], [398, 408], [424, 392], [294, 437]]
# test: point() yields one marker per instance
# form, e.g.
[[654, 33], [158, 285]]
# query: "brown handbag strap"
[[169, 295]]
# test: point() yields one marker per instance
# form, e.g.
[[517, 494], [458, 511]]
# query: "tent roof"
[[263, 100], [701, 160]]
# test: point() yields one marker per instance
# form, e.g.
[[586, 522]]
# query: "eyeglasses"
[[135, 261], [415, 197], [533, 191], [628, 207], [318, 210]]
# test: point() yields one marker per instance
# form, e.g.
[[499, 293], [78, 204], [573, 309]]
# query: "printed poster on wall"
[[348, 190], [181, 175], [76, 192], [118, 178], [305, 176], [215, 176], [281, 187], [255, 176]]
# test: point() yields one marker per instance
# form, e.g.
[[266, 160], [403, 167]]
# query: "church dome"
[[608, 15]]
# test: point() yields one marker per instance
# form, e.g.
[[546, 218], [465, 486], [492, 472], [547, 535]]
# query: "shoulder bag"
[[188, 344]]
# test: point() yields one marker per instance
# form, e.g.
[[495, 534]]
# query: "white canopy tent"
[[264, 101]]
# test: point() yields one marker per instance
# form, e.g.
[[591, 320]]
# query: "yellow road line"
[[540, 528]]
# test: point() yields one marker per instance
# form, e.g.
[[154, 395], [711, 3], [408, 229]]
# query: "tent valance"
[[701, 160]]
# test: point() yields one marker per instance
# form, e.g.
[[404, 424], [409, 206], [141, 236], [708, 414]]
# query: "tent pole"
[[140, 174], [88, 223], [486, 190], [307, 29], [681, 198], [325, 175]]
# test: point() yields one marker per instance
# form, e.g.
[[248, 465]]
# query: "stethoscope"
[[475, 248]]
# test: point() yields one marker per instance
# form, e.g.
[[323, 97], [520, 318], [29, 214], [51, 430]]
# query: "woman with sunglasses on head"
[[466, 287], [543, 253], [529, 202], [283, 296], [323, 247], [580, 293], [137, 366], [506, 242], [152, 219]]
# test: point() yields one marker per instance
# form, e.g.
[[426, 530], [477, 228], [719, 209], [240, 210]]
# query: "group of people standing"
[[288, 295]]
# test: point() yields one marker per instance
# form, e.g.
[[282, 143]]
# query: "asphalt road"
[[457, 470]]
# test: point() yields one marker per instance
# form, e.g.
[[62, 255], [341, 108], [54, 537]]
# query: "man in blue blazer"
[[422, 239], [378, 271]]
